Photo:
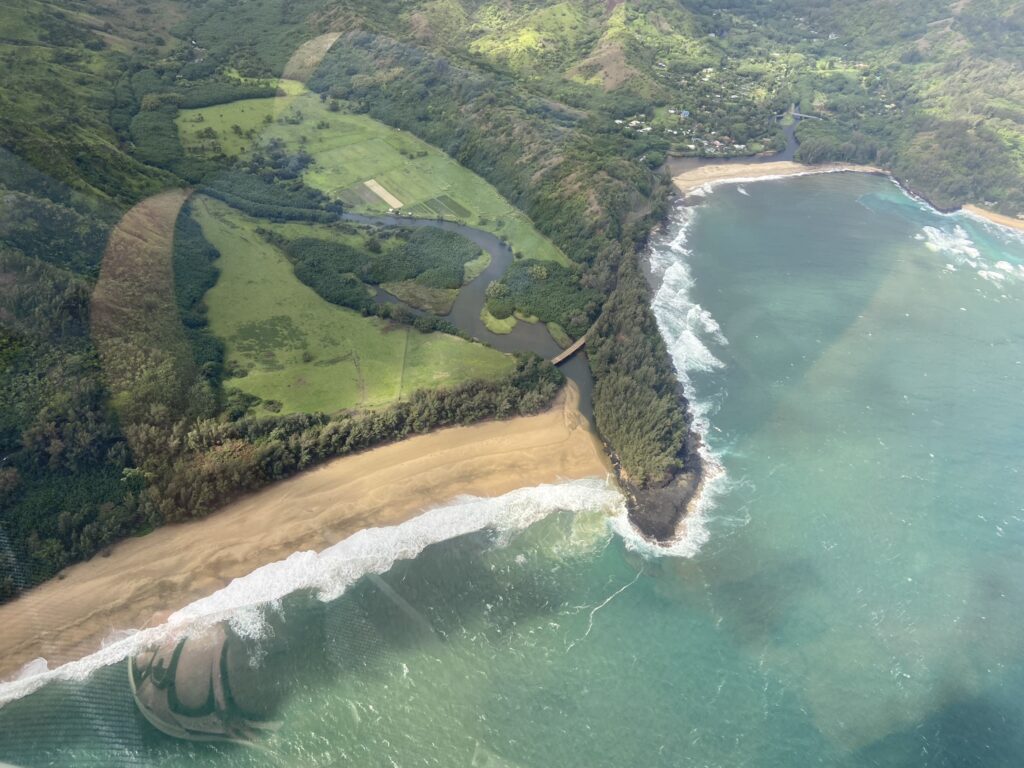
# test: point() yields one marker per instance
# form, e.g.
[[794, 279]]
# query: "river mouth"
[[465, 312], [677, 165]]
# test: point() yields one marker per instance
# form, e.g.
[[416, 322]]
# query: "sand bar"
[[692, 180], [146, 578]]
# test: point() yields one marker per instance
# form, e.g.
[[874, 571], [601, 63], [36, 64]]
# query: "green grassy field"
[[436, 300], [497, 325], [310, 355], [350, 150]]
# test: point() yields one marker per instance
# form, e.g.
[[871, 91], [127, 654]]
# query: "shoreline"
[[992, 217], [696, 180], [145, 579], [657, 517]]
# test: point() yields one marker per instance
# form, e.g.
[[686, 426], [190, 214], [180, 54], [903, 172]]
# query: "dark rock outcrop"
[[656, 511]]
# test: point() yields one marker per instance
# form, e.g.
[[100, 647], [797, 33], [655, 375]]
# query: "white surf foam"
[[690, 332], [709, 186], [957, 244], [330, 572], [693, 531], [1003, 231]]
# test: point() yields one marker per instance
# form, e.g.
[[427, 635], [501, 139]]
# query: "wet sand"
[[143, 580], [691, 180], [995, 218]]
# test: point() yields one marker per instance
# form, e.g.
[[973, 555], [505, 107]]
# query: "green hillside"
[[547, 123]]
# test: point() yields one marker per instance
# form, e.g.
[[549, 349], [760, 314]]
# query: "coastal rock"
[[657, 511]]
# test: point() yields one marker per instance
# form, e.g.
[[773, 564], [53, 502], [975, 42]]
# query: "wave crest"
[[964, 252], [330, 572], [690, 331]]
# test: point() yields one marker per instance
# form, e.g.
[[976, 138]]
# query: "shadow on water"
[[866, 286], [766, 605], [304, 646], [968, 730]]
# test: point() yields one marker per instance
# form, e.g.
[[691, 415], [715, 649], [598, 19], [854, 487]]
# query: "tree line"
[[581, 187]]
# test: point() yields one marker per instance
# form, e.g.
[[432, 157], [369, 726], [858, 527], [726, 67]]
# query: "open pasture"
[[307, 354], [350, 150]]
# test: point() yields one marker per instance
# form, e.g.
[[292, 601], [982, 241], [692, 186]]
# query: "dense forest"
[[579, 184], [570, 116]]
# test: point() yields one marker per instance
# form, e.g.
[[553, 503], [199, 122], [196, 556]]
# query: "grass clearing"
[[435, 300], [350, 150], [310, 355], [562, 339], [496, 325], [476, 267]]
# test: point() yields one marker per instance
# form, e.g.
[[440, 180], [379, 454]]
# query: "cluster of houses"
[[712, 146], [717, 146], [638, 125]]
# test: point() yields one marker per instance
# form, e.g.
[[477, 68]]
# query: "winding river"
[[533, 337], [465, 313]]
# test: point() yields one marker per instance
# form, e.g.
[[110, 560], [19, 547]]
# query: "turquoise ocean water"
[[851, 594]]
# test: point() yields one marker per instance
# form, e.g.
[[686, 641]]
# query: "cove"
[[853, 593]]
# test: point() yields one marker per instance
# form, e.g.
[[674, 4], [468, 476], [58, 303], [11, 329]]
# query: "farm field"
[[368, 165], [310, 355]]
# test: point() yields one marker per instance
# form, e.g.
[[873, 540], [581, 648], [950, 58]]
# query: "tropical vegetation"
[[550, 124]]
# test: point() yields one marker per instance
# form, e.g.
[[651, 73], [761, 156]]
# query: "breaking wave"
[[690, 333], [330, 572], [957, 245]]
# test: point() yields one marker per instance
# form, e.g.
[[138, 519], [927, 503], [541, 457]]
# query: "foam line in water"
[[709, 186], [957, 244], [330, 572], [693, 529], [1003, 230], [690, 332]]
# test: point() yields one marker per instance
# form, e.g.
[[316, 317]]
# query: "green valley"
[[369, 166], [298, 353], [552, 125]]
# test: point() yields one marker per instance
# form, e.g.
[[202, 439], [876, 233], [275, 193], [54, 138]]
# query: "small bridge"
[[793, 111], [568, 352]]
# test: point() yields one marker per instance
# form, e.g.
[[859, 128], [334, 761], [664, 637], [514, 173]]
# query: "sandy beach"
[[692, 180], [144, 579], [996, 218]]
